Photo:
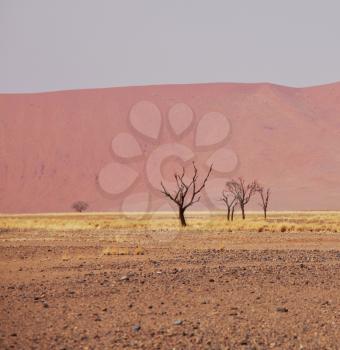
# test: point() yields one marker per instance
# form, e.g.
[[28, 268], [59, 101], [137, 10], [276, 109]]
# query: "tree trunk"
[[232, 214], [242, 210], [181, 217], [265, 213], [228, 214]]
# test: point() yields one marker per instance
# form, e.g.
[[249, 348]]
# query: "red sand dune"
[[54, 145]]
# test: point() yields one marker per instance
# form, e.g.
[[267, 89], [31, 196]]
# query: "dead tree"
[[264, 195], [242, 192], [230, 201], [187, 192]]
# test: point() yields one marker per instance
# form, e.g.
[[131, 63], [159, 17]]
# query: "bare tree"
[[264, 195], [230, 201], [187, 192], [242, 192], [80, 206]]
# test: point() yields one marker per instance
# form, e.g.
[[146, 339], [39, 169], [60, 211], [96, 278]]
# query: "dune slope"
[[54, 146]]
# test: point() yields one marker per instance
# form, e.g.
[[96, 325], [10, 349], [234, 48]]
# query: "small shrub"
[[139, 251], [122, 251], [65, 257], [115, 251], [283, 228], [80, 206]]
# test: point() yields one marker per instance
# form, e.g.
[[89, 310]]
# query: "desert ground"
[[105, 281]]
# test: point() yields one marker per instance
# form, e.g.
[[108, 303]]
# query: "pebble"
[[178, 322], [136, 327], [124, 278], [281, 309]]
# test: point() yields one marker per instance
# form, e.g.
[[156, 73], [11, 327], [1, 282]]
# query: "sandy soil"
[[257, 291]]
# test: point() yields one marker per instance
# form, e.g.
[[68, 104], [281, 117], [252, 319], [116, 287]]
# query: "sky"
[[48, 45]]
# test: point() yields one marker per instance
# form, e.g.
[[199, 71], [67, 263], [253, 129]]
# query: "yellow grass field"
[[197, 221]]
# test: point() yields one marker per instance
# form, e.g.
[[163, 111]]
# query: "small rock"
[[124, 278], [136, 327], [178, 322], [211, 280], [281, 309], [45, 305]]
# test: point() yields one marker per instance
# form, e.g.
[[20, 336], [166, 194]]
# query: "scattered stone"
[[136, 328], [13, 335], [281, 309], [211, 280], [124, 278], [46, 305], [178, 322]]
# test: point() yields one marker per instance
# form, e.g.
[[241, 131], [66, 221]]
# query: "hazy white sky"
[[69, 44]]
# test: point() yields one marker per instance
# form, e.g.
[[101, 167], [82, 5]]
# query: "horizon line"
[[168, 85]]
